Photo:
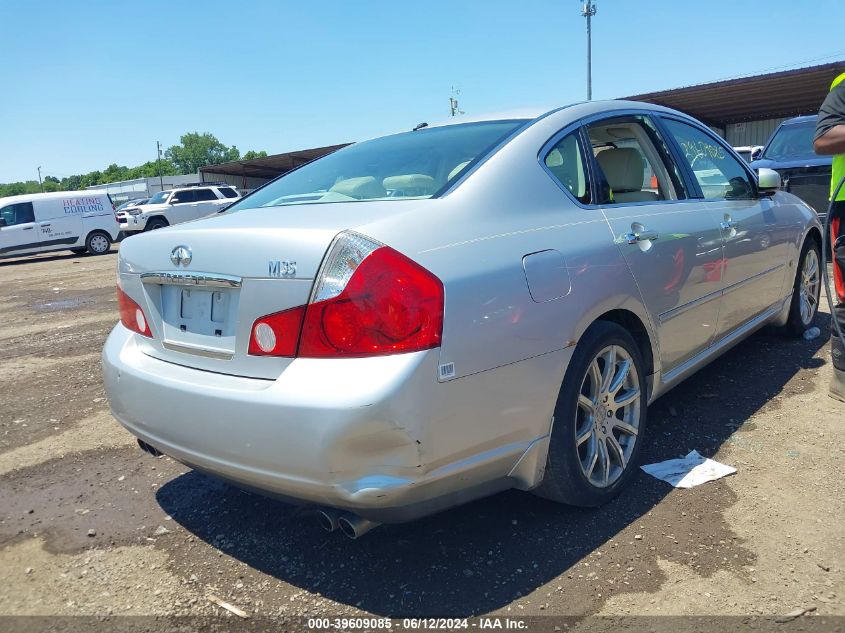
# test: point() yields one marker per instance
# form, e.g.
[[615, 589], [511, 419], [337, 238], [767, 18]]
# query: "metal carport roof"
[[270, 166], [769, 96]]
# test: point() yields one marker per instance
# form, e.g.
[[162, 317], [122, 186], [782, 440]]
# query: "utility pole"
[[453, 103], [158, 165], [588, 10], [40, 184]]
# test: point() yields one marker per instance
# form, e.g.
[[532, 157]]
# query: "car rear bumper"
[[377, 436]]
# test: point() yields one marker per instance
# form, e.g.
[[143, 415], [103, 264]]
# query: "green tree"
[[150, 169], [91, 178], [198, 150], [70, 183], [253, 154]]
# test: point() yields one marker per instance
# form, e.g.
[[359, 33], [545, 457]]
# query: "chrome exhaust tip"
[[354, 526], [328, 519]]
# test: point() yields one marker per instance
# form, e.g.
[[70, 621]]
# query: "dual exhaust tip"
[[147, 448], [350, 524], [329, 519]]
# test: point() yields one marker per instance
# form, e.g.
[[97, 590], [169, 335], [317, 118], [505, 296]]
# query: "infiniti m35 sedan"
[[426, 318]]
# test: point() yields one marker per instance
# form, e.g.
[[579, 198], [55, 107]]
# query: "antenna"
[[588, 10], [453, 103]]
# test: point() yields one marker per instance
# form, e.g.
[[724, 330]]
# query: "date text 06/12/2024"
[[483, 623]]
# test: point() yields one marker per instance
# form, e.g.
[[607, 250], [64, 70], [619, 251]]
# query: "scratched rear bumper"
[[377, 436]]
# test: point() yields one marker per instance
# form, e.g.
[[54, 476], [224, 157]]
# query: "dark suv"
[[790, 153]]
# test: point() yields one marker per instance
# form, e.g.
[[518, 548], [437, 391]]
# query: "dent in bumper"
[[377, 436]]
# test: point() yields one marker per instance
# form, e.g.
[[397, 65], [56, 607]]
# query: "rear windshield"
[[792, 142], [410, 165]]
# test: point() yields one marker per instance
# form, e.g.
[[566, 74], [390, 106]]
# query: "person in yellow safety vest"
[[830, 136], [830, 139]]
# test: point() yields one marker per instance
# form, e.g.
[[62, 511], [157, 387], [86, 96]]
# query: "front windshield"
[[409, 165], [792, 142], [159, 198]]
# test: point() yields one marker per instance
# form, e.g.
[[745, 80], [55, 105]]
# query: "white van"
[[39, 222]]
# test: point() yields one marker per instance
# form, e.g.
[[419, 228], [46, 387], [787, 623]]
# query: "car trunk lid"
[[203, 284]]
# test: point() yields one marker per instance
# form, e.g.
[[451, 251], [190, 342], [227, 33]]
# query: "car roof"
[[49, 195], [584, 108], [800, 119]]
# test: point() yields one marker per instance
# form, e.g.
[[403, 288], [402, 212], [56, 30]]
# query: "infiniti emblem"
[[181, 256]]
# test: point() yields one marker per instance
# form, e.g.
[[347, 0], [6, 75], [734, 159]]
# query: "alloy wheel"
[[607, 416], [808, 288]]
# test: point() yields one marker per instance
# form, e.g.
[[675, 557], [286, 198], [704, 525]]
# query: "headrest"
[[623, 167], [360, 188], [458, 168], [419, 184]]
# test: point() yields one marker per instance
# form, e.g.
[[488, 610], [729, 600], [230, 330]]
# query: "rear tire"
[[599, 420], [98, 243], [156, 223], [806, 290]]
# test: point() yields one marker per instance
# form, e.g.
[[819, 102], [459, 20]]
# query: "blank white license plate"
[[203, 306], [200, 311]]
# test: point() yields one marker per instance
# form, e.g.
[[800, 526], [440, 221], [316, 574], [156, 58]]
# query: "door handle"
[[27, 228], [45, 224], [640, 236]]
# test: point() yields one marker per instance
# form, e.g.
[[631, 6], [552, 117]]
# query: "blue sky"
[[89, 83]]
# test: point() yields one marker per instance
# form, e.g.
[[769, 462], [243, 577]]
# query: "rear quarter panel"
[[509, 352], [474, 239]]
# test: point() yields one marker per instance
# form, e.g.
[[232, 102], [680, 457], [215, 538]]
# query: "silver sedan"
[[426, 318]]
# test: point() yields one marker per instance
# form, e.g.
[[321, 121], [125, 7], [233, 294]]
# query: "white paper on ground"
[[689, 471]]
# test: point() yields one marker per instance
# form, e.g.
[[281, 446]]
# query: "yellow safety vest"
[[838, 170]]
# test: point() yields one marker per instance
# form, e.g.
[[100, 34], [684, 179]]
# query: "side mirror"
[[768, 181], [173, 201], [756, 153], [3, 222]]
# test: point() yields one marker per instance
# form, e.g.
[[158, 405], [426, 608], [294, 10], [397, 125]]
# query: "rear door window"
[[633, 162], [203, 195], [228, 192], [181, 197]]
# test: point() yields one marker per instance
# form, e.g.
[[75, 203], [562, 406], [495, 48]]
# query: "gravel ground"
[[91, 525]]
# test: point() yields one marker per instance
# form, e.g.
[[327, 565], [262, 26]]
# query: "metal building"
[[124, 190], [247, 175], [747, 110]]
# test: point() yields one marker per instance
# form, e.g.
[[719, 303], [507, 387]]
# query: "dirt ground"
[[91, 525]]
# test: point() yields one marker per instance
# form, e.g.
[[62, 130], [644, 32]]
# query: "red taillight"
[[131, 314], [390, 305], [838, 273], [276, 334], [371, 301]]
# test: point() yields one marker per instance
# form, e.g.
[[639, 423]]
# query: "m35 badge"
[[282, 269]]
